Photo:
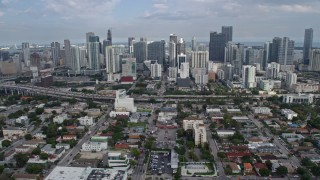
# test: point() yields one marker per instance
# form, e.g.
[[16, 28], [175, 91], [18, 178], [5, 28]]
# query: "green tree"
[[282, 170], [132, 162], [6, 143], [135, 152], [264, 172], [34, 168], [222, 155], [307, 162], [315, 170], [39, 111], [43, 156], [190, 144], [28, 136], [269, 164], [1, 168], [21, 159], [36, 151]]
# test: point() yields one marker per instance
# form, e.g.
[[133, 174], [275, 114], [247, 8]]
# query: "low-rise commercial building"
[[225, 133], [289, 114], [60, 118], [298, 98], [94, 146], [14, 132], [86, 121], [116, 160], [261, 110]]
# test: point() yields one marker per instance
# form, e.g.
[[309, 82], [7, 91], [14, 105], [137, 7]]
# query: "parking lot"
[[160, 163], [166, 134]]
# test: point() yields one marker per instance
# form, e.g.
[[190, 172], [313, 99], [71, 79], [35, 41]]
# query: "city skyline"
[[46, 21]]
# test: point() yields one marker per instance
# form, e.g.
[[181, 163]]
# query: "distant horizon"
[[246, 43]]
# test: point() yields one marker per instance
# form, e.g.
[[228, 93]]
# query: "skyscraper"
[[250, 59], [26, 53], [75, 59], [156, 51], [140, 51], [131, 41], [156, 70], [234, 54], [112, 60], [227, 31], [129, 67], [275, 49], [181, 47], [194, 44], [249, 76], [67, 51], [94, 52], [172, 54], [88, 34], [286, 48], [314, 64], [55, 53], [174, 38], [182, 58], [109, 38], [266, 54], [307, 46], [199, 59], [217, 46]]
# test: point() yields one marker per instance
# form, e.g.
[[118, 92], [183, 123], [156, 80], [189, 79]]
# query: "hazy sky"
[[43, 21]]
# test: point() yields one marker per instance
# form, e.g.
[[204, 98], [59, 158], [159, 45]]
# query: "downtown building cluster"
[[234, 63]]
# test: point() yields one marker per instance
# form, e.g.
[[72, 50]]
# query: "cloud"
[[83, 9], [1, 13]]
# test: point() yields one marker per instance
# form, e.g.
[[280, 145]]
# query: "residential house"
[[247, 168]]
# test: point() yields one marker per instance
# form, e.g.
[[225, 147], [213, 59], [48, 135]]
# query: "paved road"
[[140, 169], [283, 149], [214, 151], [75, 150]]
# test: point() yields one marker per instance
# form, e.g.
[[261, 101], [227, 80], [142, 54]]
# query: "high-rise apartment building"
[[266, 54], [55, 53], [272, 70], [67, 51], [109, 37], [227, 31], [286, 48], [291, 79], [172, 54], [314, 64], [112, 60], [75, 58], [250, 58], [174, 38], [307, 46], [249, 76], [182, 58], [140, 51], [275, 49], [181, 46], [26, 53], [199, 59], [194, 44], [129, 67], [88, 34], [217, 46], [156, 51], [185, 70], [156, 70], [234, 54], [94, 52], [131, 41]]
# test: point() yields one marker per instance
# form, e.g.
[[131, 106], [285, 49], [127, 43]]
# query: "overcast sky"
[[43, 21]]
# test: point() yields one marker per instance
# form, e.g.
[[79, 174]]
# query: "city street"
[[214, 151], [74, 151]]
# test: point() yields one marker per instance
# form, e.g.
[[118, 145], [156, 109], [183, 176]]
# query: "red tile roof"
[[127, 79], [238, 154]]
